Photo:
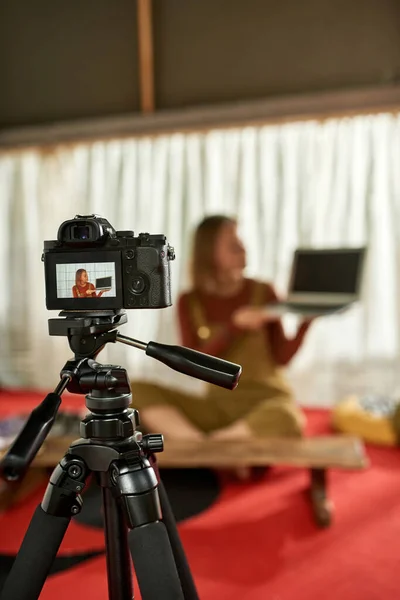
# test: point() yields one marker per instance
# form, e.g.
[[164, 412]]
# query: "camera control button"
[[129, 253], [129, 269], [126, 234], [131, 300], [138, 285]]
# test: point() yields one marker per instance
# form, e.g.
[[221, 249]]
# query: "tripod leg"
[[182, 565], [148, 541], [119, 566], [35, 557], [154, 562], [46, 532]]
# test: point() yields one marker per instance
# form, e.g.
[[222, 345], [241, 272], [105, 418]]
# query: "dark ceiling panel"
[[69, 60], [209, 51], [62, 60]]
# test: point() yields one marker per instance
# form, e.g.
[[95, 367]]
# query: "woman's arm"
[[75, 292], [91, 292], [189, 337], [283, 348]]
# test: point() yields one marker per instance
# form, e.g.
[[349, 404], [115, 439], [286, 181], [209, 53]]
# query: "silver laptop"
[[322, 282]]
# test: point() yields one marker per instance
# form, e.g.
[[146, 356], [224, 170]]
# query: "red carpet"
[[259, 542]]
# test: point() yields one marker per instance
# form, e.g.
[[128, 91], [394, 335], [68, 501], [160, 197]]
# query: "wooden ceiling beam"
[[267, 111], [146, 55]]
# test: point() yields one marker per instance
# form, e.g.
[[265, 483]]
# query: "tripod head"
[[89, 333], [107, 388]]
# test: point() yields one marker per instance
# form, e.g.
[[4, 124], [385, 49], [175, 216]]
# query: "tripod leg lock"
[[136, 487], [62, 497]]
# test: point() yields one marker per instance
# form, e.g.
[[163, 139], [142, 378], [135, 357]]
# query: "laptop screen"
[[103, 283], [327, 271]]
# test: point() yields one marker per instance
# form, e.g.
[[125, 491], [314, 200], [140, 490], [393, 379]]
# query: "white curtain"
[[311, 183]]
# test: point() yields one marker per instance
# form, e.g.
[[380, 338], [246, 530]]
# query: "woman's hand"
[[252, 317], [103, 292]]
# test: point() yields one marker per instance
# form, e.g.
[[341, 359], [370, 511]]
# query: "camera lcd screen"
[[84, 280]]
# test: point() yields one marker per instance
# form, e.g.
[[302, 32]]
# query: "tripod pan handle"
[[196, 364]]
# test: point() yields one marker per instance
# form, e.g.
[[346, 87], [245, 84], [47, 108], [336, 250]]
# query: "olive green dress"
[[263, 398]]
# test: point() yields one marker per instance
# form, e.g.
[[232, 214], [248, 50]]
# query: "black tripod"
[[122, 460]]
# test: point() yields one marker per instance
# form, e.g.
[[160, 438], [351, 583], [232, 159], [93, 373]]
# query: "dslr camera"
[[93, 267]]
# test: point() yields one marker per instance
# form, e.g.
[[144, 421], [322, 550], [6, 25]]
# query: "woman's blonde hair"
[[203, 251]]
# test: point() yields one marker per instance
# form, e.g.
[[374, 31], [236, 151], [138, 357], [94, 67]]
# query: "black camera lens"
[[138, 285], [81, 232]]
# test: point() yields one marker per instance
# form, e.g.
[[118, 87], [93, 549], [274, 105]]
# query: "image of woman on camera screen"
[[83, 288], [226, 314]]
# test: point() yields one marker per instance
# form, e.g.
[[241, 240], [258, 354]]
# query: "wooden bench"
[[317, 454]]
